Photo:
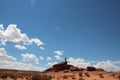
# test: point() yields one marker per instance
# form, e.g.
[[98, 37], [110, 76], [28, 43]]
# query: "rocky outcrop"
[[90, 68], [75, 68], [99, 69], [64, 66]]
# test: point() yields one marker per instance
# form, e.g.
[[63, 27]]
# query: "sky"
[[35, 34]]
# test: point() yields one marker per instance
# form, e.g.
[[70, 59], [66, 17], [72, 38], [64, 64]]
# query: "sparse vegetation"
[[73, 77], [118, 76], [12, 76], [65, 77], [113, 75], [101, 75], [87, 74], [3, 76], [44, 77], [80, 74], [81, 78], [65, 71]]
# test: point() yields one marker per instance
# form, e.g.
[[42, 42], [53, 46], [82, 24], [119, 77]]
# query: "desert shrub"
[[58, 78], [80, 74], [113, 74], [12, 76], [87, 74], [73, 76], [53, 76], [3, 76], [36, 77], [101, 75], [118, 77], [65, 77], [81, 78], [65, 71], [45, 77]]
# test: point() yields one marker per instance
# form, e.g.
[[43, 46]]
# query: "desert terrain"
[[60, 71]]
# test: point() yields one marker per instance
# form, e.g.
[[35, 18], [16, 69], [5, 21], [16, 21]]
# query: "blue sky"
[[85, 31]]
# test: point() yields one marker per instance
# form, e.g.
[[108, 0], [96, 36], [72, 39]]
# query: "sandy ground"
[[84, 75], [62, 75]]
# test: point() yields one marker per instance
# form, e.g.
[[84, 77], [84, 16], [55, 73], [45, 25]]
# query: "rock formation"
[[63, 66], [90, 68]]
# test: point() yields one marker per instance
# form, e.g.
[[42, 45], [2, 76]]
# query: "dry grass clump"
[[73, 77], [87, 74], [65, 77], [81, 78], [43, 77], [113, 75], [80, 74], [65, 71], [118, 77], [3, 76], [101, 75]]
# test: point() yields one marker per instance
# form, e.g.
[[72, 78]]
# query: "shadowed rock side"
[[64, 66]]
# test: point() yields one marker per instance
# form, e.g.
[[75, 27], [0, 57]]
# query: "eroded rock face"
[[61, 66], [90, 68], [64, 66], [100, 69], [75, 68]]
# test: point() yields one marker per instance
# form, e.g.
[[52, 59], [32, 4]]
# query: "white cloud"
[[108, 65], [20, 47], [37, 41], [9, 62], [58, 52], [49, 58], [20, 66], [58, 57], [30, 58], [79, 62], [13, 34], [41, 58], [2, 42], [1, 27], [42, 48], [4, 56], [51, 63]]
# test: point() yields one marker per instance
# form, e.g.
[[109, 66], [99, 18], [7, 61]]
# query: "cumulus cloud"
[[58, 52], [51, 63], [20, 66], [14, 34], [2, 42], [58, 57], [49, 58], [41, 58], [9, 62], [4, 56], [37, 41], [106, 65], [79, 62], [1, 27], [42, 48], [20, 47], [27, 57], [109, 65]]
